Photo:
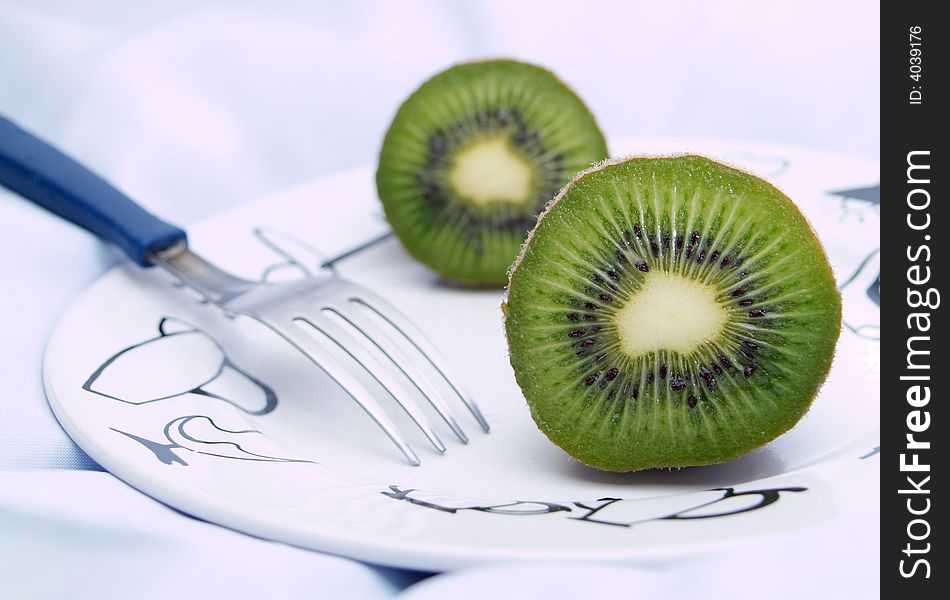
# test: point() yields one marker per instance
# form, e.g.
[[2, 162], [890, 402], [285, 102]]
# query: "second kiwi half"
[[473, 156]]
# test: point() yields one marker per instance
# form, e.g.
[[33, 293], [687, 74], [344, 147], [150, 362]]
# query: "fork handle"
[[44, 175]]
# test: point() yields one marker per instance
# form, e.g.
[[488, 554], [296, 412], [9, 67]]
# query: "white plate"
[[220, 420]]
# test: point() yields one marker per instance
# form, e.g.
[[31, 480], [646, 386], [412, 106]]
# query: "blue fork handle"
[[44, 175]]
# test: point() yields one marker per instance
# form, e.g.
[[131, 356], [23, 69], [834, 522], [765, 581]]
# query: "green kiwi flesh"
[[473, 156], [668, 312]]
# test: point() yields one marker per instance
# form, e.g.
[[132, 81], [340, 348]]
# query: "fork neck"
[[215, 284]]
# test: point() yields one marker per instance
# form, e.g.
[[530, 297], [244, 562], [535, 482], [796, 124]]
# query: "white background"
[[195, 107]]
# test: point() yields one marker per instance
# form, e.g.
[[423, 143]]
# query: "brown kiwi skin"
[[513, 271]]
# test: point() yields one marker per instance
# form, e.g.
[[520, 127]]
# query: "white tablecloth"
[[194, 107]]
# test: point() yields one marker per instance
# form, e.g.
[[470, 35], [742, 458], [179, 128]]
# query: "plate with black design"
[[215, 416]]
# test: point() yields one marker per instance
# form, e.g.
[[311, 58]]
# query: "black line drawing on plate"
[[331, 263], [449, 505], [618, 512], [859, 200], [862, 291], [871, 452], [765, 497], [297, 254], [864, 284], [178, 438], [869, 195], [135, 374]]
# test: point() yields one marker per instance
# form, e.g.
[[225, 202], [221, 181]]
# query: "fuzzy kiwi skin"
[[564, 216], [416, 110]]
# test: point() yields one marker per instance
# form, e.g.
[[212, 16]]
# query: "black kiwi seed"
[[590, 380], [691, 401], [756, 312], [749, 371], [642, 266], [587, 343], [750, 344], [738, 292], [573, 316], [663, 371], [678, 385], [438, 142], [612, 373]]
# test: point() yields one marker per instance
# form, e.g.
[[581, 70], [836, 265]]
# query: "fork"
[[338, 325]]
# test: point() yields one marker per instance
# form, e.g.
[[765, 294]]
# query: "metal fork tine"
[[309, 346], [278, 305], [391, 348], [401, 393], [414, 336]]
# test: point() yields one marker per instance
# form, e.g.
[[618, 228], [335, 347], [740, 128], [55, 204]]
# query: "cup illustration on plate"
[[153, 371]]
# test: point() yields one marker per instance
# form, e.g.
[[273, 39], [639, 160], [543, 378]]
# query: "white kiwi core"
[[669, 312], [489, 171]]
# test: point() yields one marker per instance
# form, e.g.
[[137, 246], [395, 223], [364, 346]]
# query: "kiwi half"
[[473, 156], [668, 312]]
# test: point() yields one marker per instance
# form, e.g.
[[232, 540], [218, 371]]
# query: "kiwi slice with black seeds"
[[473, 156], [667, 312]]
